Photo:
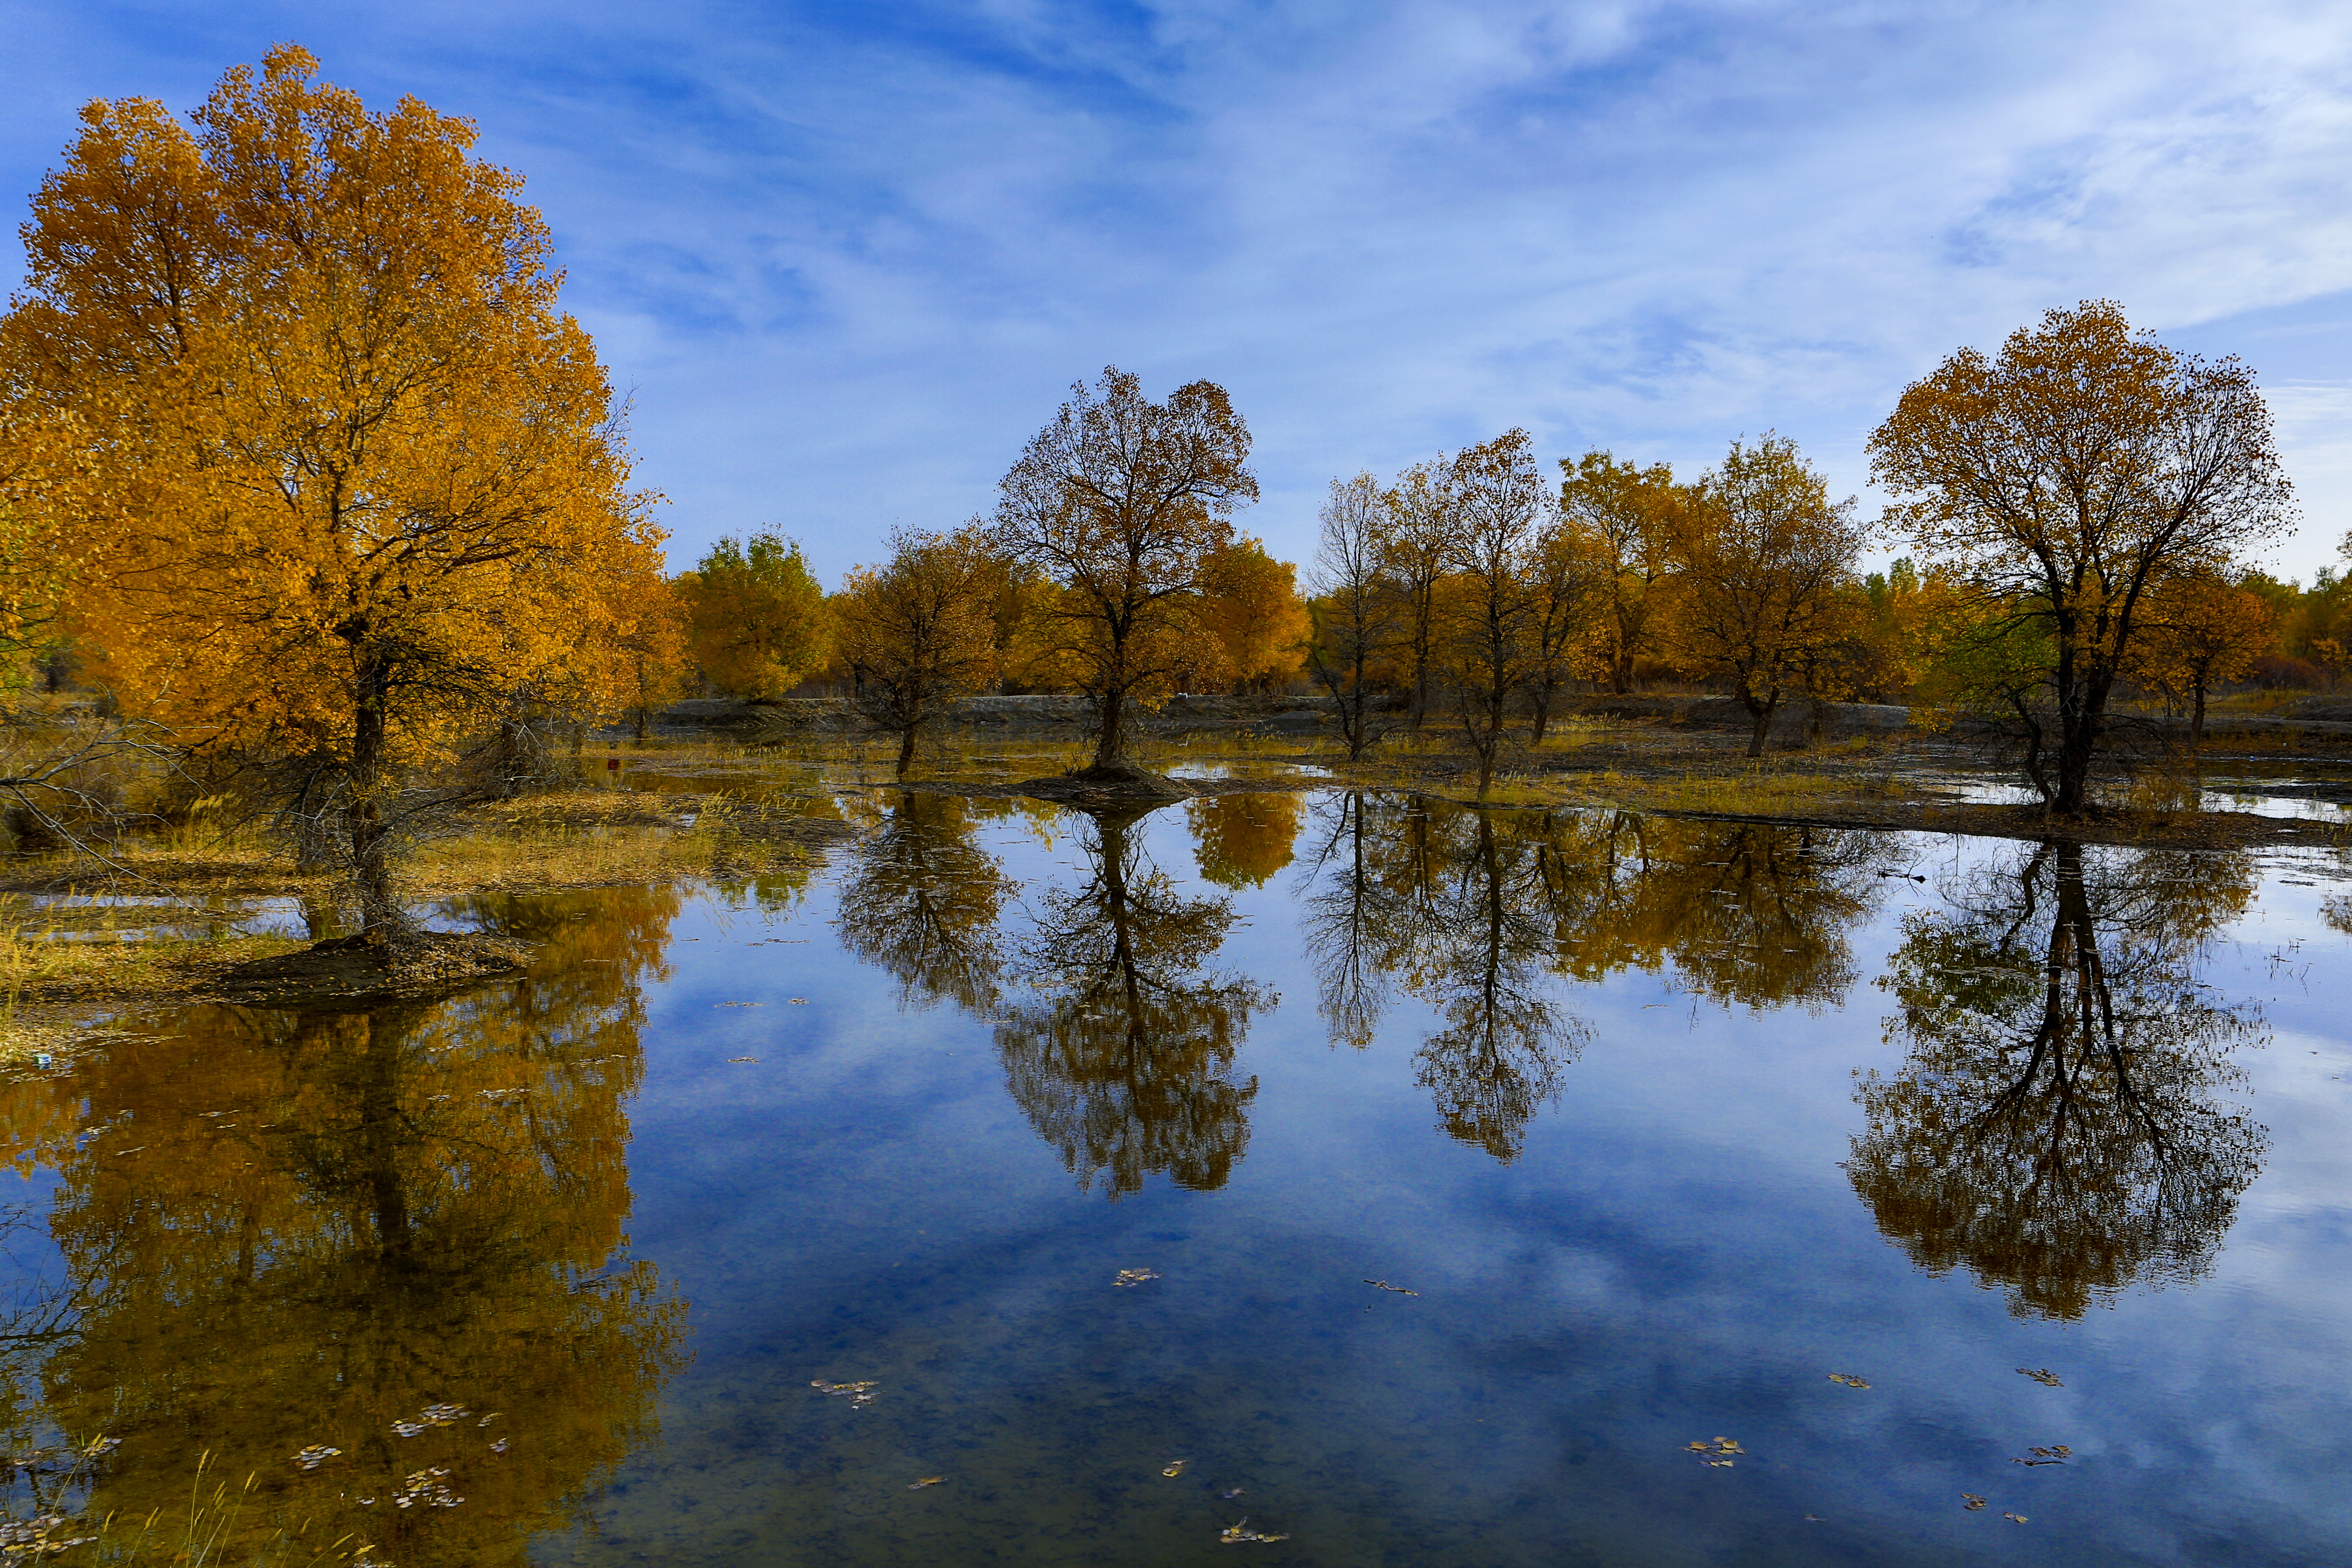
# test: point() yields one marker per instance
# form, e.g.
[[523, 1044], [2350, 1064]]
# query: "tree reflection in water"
[[921, 900], [1241, 839], [1482, 912], [2055, 1127], [302, 1226], [1123, 1060]]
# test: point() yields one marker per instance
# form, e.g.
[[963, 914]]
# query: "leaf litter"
[[1718, 1455], [859, 1395]]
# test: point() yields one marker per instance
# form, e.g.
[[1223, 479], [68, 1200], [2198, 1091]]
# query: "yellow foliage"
[[345, 484], [758, 623], [1122, 502], [916, 632], [1251, 605]]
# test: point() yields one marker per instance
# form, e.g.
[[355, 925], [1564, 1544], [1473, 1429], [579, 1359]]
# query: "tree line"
[[305, 468]]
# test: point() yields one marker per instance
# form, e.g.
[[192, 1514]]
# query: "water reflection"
[[1481, 912], [1123, 1059], [2056, 1127], [921, 902], [1241, 840], [294, 1228]]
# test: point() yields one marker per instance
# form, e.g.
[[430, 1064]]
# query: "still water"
[[1497, 1188]]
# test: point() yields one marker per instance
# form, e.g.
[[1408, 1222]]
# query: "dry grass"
[[53, 973]]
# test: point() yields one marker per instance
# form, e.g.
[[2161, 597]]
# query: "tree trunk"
[[1542, 718], [1761, 709], [905, 751], [363, 814], [1111, 743], [2197, 722], [639, 714]]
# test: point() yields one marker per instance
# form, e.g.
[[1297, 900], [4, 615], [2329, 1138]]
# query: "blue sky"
[[846, 258]]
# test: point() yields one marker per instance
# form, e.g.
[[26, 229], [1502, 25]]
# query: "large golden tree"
[[1125, 503], [346, 477], [2067, 480]]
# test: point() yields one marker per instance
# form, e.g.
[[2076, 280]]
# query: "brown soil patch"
[[355, 968]]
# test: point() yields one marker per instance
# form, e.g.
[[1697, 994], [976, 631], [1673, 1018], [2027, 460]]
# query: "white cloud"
[[849, 262]]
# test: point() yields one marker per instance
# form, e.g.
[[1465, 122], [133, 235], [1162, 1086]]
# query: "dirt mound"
[[355, 968], [1107, 784]]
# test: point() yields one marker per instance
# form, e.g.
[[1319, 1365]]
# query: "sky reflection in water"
[[1656, 1124]]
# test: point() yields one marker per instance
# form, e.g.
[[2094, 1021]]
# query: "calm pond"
[[1334, 1178]]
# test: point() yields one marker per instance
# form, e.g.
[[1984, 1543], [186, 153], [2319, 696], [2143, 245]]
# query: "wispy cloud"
[[847, 256]]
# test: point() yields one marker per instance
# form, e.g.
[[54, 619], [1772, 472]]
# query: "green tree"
[[757, 623]]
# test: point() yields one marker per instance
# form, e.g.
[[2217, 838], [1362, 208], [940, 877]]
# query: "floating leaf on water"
[[500, 1447], [752, 1059], [1971, 1501], [2043, 1375], [315, 1454], [406, 1428], [739, 1004], [1717, 1455], [1229, 1496], [1234, 1534], [857, 1394], [428, 1487], [1848, 1379], [1174, 1468], [2056, 1453], [918, 1485], [1135, 1277], [796, 1001], [1384, 1285], [2014, 1518]]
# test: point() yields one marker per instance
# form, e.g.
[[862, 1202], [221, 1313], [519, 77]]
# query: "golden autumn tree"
[[917, 632], [350, 471], [1629, 513], [756, 623], [2065, 481], [1571, 578], [2202, 631], [1250, 604], [1358, 622], [651, 654], [1766, 559], [1423, 529], [1488, 647], [1123, 502]]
